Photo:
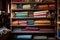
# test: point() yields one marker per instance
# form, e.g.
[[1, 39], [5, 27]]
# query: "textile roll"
[[27, 6], [30, 22], [42, 21], [42, 6], [13, 6], [15, 22], [24, 36], [19, 5]]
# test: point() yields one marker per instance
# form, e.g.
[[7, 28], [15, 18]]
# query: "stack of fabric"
[[30, 22], [21, 14], [30, 29], [22, 22], [24, 36], [42, 6], [51, 6], [15, 22], [30, 14], [19, 5], [42, 22], [13, 6], [41, 14], [38, 0], [27, 6]]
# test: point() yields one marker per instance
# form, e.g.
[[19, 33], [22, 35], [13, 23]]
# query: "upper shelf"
[[31, 9], [33, 2]]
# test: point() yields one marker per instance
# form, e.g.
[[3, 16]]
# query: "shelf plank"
[[30, 18], [35, 32], [30, 9], [33, 2], [31, 25]]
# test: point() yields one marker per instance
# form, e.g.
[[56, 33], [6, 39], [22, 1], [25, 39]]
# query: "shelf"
[[33, 2], [35, 32], [31, 25], [30, 9], [29, 18]]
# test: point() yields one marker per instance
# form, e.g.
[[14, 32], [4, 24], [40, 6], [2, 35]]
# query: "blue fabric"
[[30, 22], [21, 14], [19, 5], [24, 36], [58, 33]]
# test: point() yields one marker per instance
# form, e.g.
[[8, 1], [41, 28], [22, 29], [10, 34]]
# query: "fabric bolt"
[[27, 6], [13, 6], [19, 5], [41, 16], [15, 22], [43, 6], [42, 21], [51, 6], [24, 36], [30, 22], [41, 24]]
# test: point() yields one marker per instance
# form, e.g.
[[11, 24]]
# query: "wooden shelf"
[[31, 25], [35, 32], [29, 18], [33, 2], [30, 9]]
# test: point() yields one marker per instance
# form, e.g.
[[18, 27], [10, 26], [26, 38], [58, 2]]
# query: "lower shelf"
[[35, 32]]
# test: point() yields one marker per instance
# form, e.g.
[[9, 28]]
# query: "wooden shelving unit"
[[50, 17], [58, 19]]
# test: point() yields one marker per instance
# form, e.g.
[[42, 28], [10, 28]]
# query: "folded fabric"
[[42, 6], [21, 14], [40, 37], [30, 22], [15, 22], [19, 5], [46, 29], [41, 16], [41, 12], [51, 6], [42, 21], [23, 24], [13, 6], [24, 36], [17, 30], [31, 15], [28, 6], [41, 24]]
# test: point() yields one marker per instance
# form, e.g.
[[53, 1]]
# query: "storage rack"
[[47, 33], [58, 18]]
